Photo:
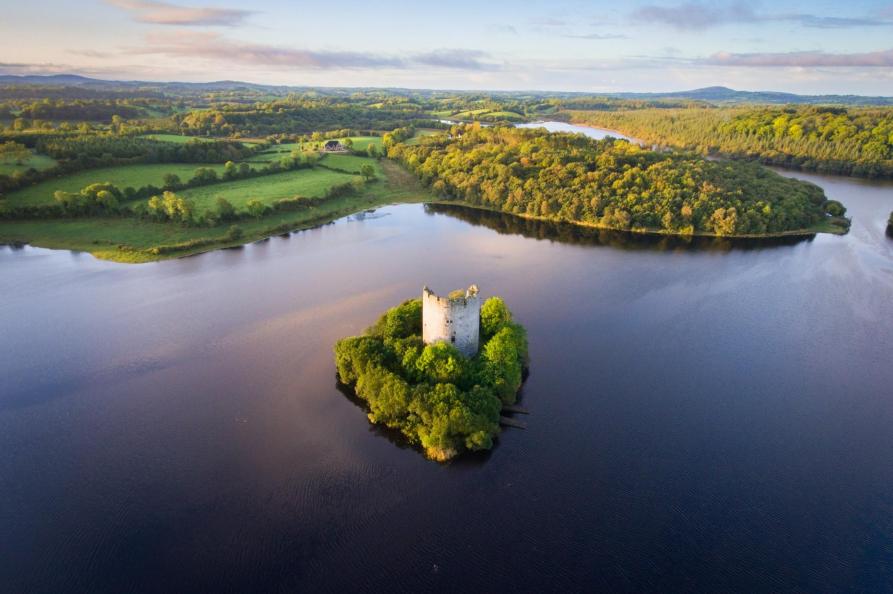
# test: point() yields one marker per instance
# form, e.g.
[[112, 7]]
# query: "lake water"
[[708, 416], [590, 131]]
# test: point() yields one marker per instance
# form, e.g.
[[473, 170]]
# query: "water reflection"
[[506, 224]]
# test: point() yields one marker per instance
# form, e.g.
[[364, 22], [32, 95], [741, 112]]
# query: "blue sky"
[[594, 46]]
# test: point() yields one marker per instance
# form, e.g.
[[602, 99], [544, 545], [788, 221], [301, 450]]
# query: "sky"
[[591, 46]]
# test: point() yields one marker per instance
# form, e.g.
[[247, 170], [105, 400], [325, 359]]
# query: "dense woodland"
[[850, 141], [435, 396], [612, 184]]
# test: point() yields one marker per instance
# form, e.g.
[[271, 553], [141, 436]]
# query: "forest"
[[613, 184], [854, 141], [436, 397]]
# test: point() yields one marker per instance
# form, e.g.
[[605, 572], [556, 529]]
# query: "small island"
[[438, 369]]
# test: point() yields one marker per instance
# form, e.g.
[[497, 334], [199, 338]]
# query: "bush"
[[835, 208]]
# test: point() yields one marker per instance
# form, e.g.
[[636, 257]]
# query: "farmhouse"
[[334, 146]]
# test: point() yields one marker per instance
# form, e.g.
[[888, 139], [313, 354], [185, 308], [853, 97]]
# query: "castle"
[[455, 319]]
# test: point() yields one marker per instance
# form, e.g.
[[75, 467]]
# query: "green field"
[[419, 134], [361, 142], [128, 240], [129, 175], [350, 162], [268, 188], [276, 152], [183, 139], [39, 162]]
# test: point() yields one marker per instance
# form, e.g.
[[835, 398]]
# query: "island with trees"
[[439, 399], [614, 184]]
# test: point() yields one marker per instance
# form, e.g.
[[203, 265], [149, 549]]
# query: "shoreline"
[[398, 181], [108, 255]]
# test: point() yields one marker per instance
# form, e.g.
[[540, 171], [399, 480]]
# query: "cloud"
[[699, 16], [694, 15], [813, 59], [163, 13], [453, 58], [596, 36], [215, 47], [22, 68]]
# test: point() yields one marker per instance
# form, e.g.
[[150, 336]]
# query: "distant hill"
[[727, 95], [708, 94], [52, 79]]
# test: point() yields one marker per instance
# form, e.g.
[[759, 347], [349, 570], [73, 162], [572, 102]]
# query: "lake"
[[705, 415], [590, 131]]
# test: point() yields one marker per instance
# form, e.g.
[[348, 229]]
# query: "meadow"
[[268, 188], [277, 151], [421, 133], [39, 162], [350, 163], [134, 176], [133, 240]]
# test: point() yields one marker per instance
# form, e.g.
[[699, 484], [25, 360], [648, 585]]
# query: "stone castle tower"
[[455, 319]]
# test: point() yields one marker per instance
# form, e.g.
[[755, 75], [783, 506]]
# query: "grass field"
[[268, 188], [39, 162], [275, 152], [128, 175], [350, 162], [419, 134], [102, 237], [183, 139], [361, 142]]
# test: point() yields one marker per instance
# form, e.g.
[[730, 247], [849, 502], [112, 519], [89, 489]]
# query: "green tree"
[[835, 208], [494, 315], [225, 209], [171, 181], [255, 208], [14, 151], [368, 172]]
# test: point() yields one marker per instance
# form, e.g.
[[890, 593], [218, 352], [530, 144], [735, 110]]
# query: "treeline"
[[612, 184], [80, 152], [614, 104], [103, 149], [839, 140], [168, 207], [164, 205], [291, 116], [80, 110], [435, 396]]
